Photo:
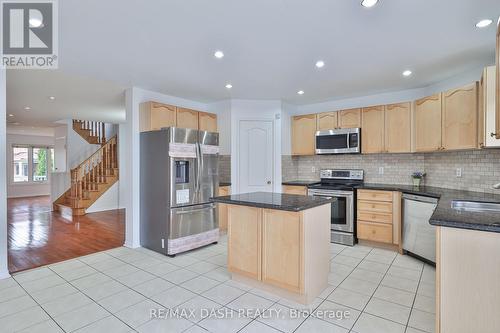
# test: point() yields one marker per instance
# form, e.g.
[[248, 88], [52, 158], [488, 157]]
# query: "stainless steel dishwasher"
[[419, 237]]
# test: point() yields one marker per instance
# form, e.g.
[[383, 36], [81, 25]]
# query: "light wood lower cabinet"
[[460, 110], [373, 130], [467, 281], [282, 249], [379, 216], [282, 252], [244, 241], [223, 190], [293, 189], [304, 135]]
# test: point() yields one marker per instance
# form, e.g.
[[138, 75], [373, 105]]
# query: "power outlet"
[[313, 169], [458, 172], [380, 170]]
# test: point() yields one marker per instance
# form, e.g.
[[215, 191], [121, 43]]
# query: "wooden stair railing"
[[92, 131], [91, 179]]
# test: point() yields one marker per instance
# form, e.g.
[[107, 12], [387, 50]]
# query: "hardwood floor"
[[37, 236]]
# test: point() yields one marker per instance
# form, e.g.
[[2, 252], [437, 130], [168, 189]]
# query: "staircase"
[[93, 132], [94, 176]]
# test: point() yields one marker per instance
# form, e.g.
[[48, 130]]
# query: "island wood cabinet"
[[467, 281], [294, 189], [339, 119], [223, 190], [459, 118], [154, 116], [428, 124], [282, 252], [373, 129], [379, 216], [304, 134]]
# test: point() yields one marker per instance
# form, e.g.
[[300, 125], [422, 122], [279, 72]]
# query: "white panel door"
[[256, 156], [60, 154]]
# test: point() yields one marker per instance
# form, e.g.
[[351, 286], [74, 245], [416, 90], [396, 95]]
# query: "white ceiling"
[[270, 49], [76, 98]]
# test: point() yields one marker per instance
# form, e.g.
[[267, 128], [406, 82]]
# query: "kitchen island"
[[279, 243]]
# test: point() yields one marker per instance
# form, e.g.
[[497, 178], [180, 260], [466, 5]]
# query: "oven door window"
[[339, 212], [337, 141]]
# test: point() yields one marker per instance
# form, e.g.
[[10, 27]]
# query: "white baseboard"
[[4, 275]]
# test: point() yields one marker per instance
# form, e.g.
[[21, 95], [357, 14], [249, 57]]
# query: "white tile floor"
[[115, 291]]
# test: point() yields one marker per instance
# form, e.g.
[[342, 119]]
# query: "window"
[[31, 164], [20, 162], [52, 160], [40, 163]]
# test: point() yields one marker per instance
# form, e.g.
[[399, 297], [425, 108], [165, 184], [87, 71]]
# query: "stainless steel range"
[[340, 184]]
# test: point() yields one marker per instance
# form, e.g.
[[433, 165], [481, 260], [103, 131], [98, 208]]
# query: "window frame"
[[30, 164]]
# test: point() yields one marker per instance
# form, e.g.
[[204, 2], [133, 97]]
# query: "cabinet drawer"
[[293, 189], [375, 195], [374, 206], [376, 232], [375, 217]]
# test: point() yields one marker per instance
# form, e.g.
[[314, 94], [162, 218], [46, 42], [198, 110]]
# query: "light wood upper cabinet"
[[327, 121], [398, 128], [154, 116], [372, 129], [282, 247], [428, 124], [207, 121], [187, 118], [349, 118], [459, 125], [497, 95], [304, 134]]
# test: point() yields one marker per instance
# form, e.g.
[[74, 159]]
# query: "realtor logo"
[[29, 34]]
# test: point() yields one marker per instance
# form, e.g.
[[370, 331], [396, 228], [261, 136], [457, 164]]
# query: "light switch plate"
[[458, 172]]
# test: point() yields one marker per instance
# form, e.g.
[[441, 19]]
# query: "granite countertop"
[[278, 201], [446, 216], [300, 182], [222, 184]]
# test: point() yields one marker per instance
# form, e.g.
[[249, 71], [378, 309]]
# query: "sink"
[[475, 206]]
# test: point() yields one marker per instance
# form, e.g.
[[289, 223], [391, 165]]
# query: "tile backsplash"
[[225, 168], [480, 169]]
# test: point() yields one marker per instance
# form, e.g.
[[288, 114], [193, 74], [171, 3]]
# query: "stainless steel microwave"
[[338, 141]]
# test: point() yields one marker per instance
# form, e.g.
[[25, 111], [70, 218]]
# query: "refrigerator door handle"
[[198, 171]]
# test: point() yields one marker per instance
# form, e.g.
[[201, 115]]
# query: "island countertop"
[[270, 200]]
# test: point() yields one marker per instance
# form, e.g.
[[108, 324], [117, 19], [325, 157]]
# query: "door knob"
[[268, 182], [493, 135]]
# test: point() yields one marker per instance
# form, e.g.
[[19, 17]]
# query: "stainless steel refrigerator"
[[179, 173]]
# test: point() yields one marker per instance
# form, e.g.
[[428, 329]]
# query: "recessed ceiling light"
[[52, 98], [16, 123], [300, 92], [229, 86], [483, 23], [11, 115], [320, 64], [407, 73], [219, 54], [368, 3], [27, 108]]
